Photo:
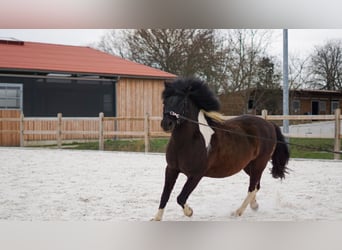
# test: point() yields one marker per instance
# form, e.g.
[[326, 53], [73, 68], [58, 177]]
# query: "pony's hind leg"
[[254, 186], [253, 203], [250, 198], [170, 180]]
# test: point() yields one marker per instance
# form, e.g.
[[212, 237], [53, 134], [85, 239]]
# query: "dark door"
[[315, 107]]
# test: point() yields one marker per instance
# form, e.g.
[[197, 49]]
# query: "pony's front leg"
[[170, 180], [189, 186]]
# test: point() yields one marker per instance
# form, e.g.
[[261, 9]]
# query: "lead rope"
[[178, 116]]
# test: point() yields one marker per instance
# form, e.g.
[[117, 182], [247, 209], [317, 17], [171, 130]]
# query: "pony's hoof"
[[159, 215], [155, 219], [237, 213], [187, 210], [254, 206]]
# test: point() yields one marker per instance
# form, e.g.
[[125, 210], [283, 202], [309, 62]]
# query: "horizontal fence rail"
[[36, 130]]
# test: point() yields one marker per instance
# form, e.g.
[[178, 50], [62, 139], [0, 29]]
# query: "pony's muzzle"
[[168, 123]]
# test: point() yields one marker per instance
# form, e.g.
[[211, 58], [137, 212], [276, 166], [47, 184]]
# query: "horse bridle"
[[176, 115]]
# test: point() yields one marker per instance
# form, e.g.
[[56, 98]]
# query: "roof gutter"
[[114, 78], [80, 73]]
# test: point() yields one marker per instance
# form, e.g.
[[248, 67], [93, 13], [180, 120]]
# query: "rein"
[[181, 117]]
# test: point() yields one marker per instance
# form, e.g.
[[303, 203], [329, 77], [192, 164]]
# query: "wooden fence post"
[[21, 135], [264, 114], [337, 144], [59, 130], [147, 132], [101, 139]]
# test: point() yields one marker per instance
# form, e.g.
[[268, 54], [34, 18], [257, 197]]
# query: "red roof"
[[32, 56]]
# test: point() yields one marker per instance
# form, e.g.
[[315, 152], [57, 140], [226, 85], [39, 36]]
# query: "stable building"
[[315, 102], [301, 102], [45, 79]]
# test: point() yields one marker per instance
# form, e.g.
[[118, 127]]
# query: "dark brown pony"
[[246, 142]]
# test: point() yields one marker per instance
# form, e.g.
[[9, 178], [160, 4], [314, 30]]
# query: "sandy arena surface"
[[71, 185]]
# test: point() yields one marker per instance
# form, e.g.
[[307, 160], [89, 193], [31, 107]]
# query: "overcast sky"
[[301, 41]]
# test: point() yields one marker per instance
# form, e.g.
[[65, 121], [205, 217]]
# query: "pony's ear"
[[188, 89]]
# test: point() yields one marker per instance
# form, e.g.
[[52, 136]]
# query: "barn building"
[[315, 102], [45, 79], [302, 102]]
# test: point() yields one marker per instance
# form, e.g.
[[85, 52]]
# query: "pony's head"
[[186, 97]]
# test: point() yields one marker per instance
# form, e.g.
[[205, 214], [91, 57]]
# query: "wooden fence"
[[337, 125], [9, 127], [17, 130]]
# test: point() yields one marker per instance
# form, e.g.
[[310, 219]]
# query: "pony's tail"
[[280, 156]]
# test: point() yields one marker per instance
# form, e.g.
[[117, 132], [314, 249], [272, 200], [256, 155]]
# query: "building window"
[[322, 106], [334, 105], [11, 96], [107, 103], [296, 106]]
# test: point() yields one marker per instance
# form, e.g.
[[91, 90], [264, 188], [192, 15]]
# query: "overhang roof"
[[318, 91], [43, 57]]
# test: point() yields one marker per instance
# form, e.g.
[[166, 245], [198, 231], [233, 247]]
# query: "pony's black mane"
[[196, 90]]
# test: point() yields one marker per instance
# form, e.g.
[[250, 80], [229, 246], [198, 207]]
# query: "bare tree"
[[184, 52], [298, 72], [243, 51], [246, 66], [326, 66], [114, 43], [265, 94]]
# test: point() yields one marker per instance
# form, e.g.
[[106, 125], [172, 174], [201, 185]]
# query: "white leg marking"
[[187, 210], [254, 204], [249, 198], [159, 215]]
